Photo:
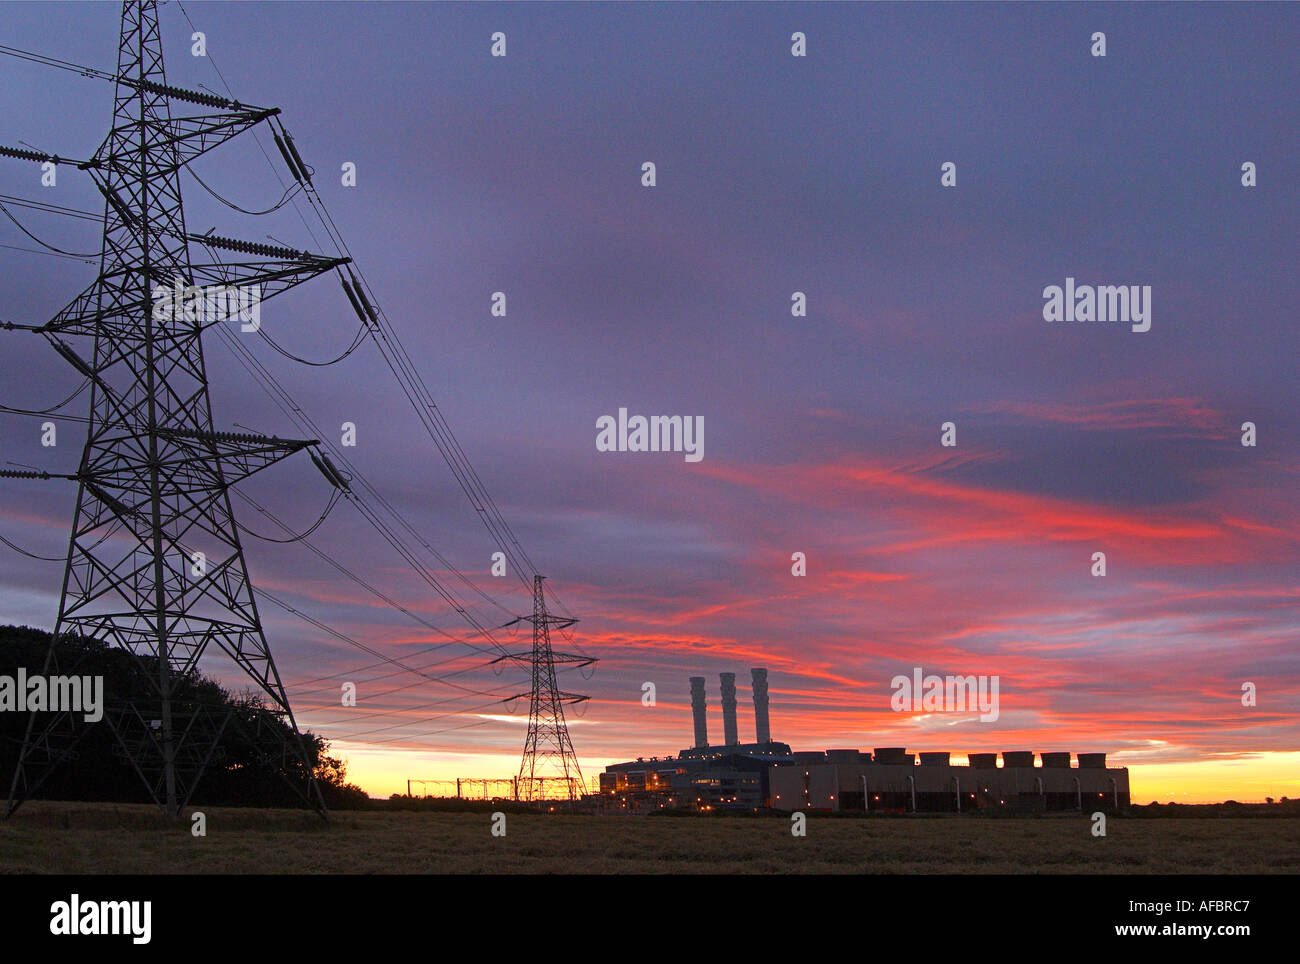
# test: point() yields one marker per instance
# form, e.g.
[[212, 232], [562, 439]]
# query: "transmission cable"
[[411, 736], [46, 208], [285, 402], [381, 714], [51, 254], [413, 386], [335, 495], [289, 192], [36, 58], [301, 687], [292, 410], [338, 566], [47, 411], [70, 254], [344, 637], [466, 476], [91, 72], [430, 719], [363, 669], [504, 545], [356, 343], [30, 555]]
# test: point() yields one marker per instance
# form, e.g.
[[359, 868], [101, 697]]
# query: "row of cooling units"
[[889, 779]]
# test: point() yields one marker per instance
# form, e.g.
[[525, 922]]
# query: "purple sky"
[[775, 174]]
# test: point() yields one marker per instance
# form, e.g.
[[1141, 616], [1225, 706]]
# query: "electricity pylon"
[[154, 563], [548, 746]]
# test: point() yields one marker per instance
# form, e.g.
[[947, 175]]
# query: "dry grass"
[[109, 838]]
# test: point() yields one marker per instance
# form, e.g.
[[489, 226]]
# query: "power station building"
[[767, 774], [733, 775]]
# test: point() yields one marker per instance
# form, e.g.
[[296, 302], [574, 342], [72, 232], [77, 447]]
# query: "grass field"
[[111, 838]]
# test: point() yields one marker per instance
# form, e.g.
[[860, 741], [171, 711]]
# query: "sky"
[[775, 174]]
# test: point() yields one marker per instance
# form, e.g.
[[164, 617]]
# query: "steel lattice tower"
[[548, 747], [154, 477]]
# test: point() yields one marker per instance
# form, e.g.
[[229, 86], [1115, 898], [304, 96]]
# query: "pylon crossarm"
[[271, 278], [84, 314], [101, 302], [247, 454], [182, 139], [238, 462], [556, 622], [572, 658], [566, 658]]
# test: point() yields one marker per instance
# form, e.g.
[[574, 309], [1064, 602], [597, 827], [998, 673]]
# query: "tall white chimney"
[[762, 731], [697, 708], [729, 708]]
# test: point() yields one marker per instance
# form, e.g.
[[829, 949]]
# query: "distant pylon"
[[173, 585], [548, 747]]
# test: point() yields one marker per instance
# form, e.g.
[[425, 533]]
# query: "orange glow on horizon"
[[382, 772]]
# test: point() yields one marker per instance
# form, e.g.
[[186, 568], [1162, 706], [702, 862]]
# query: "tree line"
[[239, 772]]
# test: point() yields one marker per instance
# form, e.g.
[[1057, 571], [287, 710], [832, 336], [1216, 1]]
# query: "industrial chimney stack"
[[697, 708], [729, 708], [762, 731]]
